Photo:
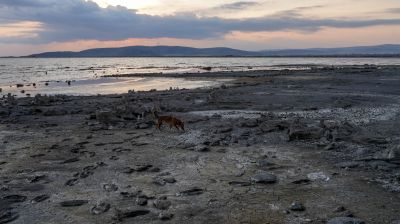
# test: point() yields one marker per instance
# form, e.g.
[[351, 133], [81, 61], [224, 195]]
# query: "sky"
[[33, 26]]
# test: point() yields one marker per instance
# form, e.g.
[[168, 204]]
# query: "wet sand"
[[313, 146]]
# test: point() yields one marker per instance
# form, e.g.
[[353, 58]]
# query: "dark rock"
[[349, 164], [7, 216], [339, 209], [190, 192], [71, 182], [162, 204], [201, 148], [263, 177], [73, 203], [223, 130], [297, 206], [41, 198], [158, 181], [165, 216], [36, 178], [249, 123], [127, 170], [169, 180], [142, 167], [141, 201], [345, 220], [240, 183], [110, 187], [121, 215], [100, 208], [394, 153], [72, 160], [15, 198], [301, 181], [304, 133]]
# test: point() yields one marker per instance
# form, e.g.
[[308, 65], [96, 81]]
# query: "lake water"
[[86, 73]]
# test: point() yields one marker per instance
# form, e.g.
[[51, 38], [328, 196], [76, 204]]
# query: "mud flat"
[[314, 146]]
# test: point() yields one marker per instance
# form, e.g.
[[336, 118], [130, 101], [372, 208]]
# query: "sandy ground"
[[311, 146]]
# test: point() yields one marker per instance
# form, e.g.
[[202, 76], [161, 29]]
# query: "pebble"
[[162, 204], [100, 208], [41, 198], [297, 206], [110, 187], [121, 215], [73, 203], [190, 192], [141, 201], [264, 178], [165, 216], [345, 220], [7, 216], [15, 198]]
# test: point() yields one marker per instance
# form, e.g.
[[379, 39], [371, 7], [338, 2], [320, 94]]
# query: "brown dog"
[[172, 121]]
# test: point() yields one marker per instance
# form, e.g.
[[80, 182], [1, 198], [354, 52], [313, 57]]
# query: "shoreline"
[[278, 147]]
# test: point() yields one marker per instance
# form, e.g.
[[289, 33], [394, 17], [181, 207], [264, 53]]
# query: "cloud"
[[237, 5], [70, 20], [393, 10]]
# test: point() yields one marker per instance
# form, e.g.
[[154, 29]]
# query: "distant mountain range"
[[176, 51]]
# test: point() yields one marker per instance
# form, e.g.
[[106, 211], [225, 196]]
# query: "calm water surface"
[[87, 73]]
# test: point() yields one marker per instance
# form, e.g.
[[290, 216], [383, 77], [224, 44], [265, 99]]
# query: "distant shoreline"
[[278, 56]]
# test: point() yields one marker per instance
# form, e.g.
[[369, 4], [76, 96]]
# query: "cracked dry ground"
[[300, 148]]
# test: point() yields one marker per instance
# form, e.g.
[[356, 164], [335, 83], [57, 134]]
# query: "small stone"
[[240, 183], [141, 201], [297, 206], [142, 167], [110, 187], [15, 198], [169, 180], [41, 198], [71, 182], [264, 178], [345, 220], [100, 208], [162, 204], [165, 216], [72, 160], [121, 215], [7, 216], [73, 203], [191, 192]]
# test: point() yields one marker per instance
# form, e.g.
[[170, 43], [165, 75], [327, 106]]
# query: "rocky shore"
[[312, 146]]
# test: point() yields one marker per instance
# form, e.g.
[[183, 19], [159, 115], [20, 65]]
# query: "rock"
[[105, 117], [142, 126], [169, 180], [121, 215], [190, 192], [100, 208], [249, 123], [339, 209], [345, 165], [162, 204], [345, 220], [297, 206], [158, 181], [41, 198], [240, 183], [201, 148], [330, 146], [263, 177], [301, 181], [72, 160], [110, 187], [142, 167], [305, 133], [72, 182], [73, 203], [318, 176], [222, 130], [394, 153], [264, 163], [7, 216], [14, 198], [142, 201], [165, 216]]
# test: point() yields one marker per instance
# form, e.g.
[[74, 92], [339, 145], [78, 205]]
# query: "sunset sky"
[[33, 26]]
